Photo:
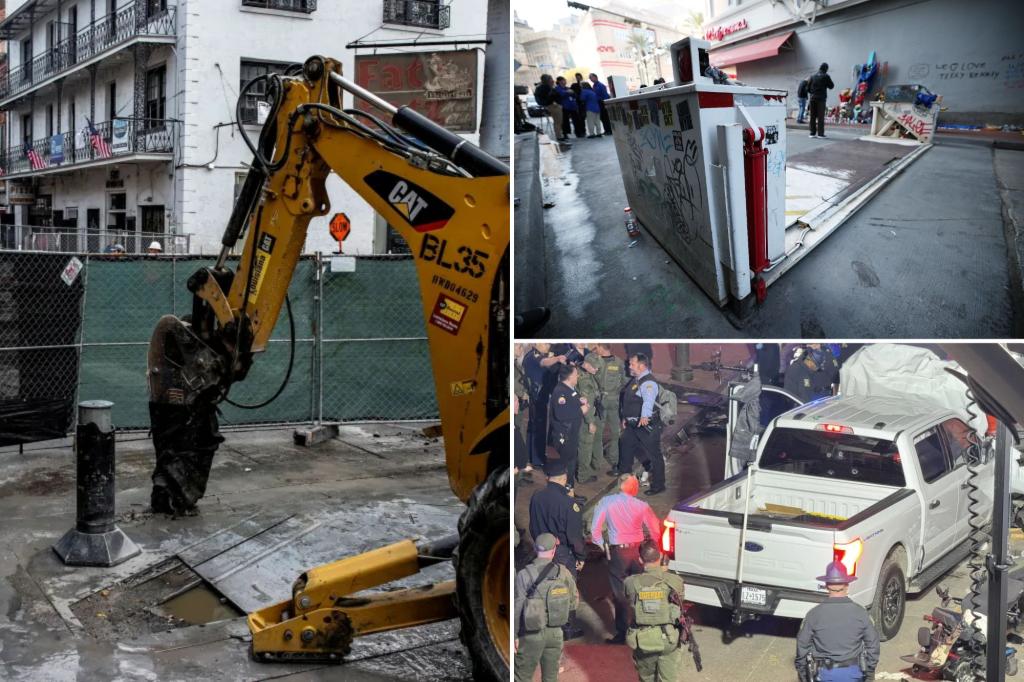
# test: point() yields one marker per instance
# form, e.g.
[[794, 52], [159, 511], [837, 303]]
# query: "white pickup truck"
[[880, 484]]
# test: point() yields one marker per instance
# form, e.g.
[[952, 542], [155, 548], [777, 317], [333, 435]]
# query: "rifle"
[[685, 625]]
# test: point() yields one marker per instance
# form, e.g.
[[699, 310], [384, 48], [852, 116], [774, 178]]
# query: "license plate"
[[755, 596]]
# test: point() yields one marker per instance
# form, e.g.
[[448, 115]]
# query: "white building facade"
[[122, 112]]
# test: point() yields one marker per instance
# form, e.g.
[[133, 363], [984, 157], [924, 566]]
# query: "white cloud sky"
[[542, 14]]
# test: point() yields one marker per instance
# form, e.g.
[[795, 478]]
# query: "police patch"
[[807, 383], [561, 400], [575, 507]]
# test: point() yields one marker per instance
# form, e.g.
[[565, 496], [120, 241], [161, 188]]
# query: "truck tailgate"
[[777, 553]]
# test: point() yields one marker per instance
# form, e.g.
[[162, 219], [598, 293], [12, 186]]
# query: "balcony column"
[[92, 37], [60, 109], [92, 91], [141, 56]]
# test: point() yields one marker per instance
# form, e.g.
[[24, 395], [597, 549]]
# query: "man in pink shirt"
[[626, 518]]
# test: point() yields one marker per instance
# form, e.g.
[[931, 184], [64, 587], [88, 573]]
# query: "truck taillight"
[[834, 428], [668, 539], [848, 553]]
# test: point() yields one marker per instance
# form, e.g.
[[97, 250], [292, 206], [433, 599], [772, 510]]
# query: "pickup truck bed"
[[825, 503], [793, 525]]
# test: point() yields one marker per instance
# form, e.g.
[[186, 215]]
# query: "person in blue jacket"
[[592, 107], [567, 98], [602, 94]]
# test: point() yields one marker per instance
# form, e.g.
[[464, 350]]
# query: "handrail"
[[424, 13], [120, 137], [104, 240], [101, 35]]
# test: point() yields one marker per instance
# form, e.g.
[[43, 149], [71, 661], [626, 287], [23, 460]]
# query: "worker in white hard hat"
[[154, 247]]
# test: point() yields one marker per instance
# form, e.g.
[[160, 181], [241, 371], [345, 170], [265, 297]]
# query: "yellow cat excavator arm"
[[450, 201]]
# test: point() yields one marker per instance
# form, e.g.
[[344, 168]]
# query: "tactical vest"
[[521, 382], [651, 605], [612, 374], [550, 604], [632, 404], [587, 385]]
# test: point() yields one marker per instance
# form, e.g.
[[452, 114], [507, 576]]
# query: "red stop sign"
[[340, 227]]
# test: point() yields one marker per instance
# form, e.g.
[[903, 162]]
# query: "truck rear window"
[[833, 455]]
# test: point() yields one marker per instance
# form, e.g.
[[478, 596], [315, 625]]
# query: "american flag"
[[35, 160], [98, 143]]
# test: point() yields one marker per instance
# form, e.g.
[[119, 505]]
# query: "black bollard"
[[95, 540]]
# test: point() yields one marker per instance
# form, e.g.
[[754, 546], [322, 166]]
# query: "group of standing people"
[[568, 396], [562, 393], [814, 88], [578, 106]]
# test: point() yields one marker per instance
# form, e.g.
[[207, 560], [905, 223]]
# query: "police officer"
[[540, 366], [553, 510], [545, 595], [627, 518], [641, 425], [812, 373], [567, 409], [589, 389], [837, 636], [653, 634], [768, 357], [611, 377], [521, 389]]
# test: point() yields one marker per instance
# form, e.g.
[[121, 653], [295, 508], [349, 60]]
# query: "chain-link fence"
[[360, 345]]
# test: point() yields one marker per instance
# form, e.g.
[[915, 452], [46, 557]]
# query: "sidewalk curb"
[[530, 292], [1013, 227]]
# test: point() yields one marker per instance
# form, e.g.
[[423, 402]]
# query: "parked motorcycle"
[[956, 636]]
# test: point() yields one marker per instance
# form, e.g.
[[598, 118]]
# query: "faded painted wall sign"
[[439, 85]]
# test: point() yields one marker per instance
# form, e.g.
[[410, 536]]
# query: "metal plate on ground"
[[830, 173], [257, 570]]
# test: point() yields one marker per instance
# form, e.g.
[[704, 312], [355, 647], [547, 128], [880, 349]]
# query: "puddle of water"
[[199, 605]]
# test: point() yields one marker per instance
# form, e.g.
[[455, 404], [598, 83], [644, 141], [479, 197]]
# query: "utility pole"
[[495, 117]]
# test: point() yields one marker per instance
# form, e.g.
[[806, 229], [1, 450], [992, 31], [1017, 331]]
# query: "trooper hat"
[[835, 574], [555, 467], [545, 542]]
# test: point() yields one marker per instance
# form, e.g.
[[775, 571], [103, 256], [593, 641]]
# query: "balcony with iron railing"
[[104, 35], [304, 6], [420, 13], [110, 241], [113, 140]]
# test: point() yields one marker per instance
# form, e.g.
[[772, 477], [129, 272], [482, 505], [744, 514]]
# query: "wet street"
[[927, 256], [759, 650], [272, 510]]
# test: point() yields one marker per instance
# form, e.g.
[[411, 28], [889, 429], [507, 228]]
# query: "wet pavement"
[[760, 650], [272, 508], [926, 257]]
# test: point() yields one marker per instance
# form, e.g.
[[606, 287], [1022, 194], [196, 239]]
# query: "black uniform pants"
[[605, 119], [537, 429], [625, 561], [564, 556], [817, 117], [569, 452], [643, 443]]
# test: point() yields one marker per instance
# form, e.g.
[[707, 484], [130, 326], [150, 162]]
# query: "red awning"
[[769, 47]]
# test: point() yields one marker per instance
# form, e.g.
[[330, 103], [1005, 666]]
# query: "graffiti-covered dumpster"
[[703, 164]]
